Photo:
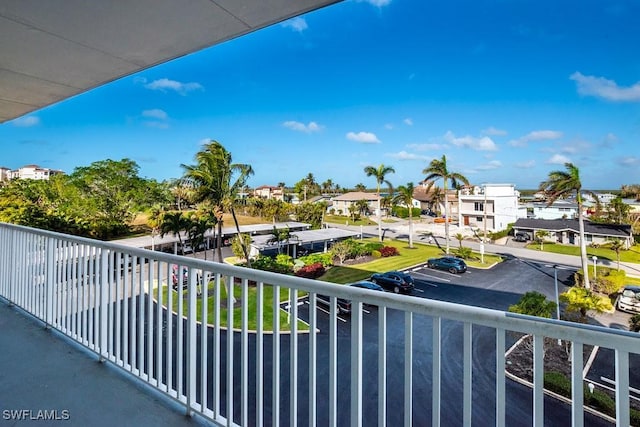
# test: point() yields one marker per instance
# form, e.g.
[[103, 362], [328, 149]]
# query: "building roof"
[[616, 230], [305, 237], [355, 196], [54, 50]]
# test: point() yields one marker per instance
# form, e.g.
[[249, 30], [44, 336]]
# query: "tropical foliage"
[[380, 173], [582, 300], [534, 304], [404, 196], [99, 200]]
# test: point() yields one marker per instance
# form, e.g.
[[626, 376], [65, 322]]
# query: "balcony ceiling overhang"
[[52, 50]]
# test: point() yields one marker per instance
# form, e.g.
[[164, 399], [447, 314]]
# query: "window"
[[478, 206], [479, 219]]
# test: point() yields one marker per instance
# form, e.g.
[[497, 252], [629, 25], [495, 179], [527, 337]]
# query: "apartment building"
[[28, 172], [488, 206]]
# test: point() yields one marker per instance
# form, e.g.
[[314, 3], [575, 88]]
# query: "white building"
[[490, 206], [32, 172], [560, 209]]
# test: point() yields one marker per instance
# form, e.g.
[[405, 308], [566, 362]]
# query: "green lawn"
[[407, 258], [631, 255], [237, 312], [339, 219]]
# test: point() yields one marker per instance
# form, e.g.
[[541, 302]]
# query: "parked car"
[[521, 237], [629, 299], [344, 306], [365, 284], [395, 281], [451, 264]]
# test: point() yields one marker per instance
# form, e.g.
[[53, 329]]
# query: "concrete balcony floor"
[[41, 370]]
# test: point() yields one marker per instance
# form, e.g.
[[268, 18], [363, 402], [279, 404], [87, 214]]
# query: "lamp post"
[[555, 280], [595, 266]]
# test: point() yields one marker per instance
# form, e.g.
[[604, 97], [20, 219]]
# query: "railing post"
[[192, 317], [14, 268], [49, 281], [104, 287]]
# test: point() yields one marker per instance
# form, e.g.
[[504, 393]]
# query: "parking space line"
[[325, 311], [434, 277]]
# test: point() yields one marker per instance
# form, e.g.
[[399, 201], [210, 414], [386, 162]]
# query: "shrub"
[[326, 259], [534, 304], [402, 212], [285, 260], [634, 323], [376, 254], [372, 246], [609, 281], [312, 271], [600, 401], [266, 263], [388, 251], [465, 253]]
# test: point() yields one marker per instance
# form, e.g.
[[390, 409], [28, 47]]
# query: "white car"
[[629, 299]]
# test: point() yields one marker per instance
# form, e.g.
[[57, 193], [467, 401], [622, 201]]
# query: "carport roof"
[[55, 49], [616, 230], [307, 236]]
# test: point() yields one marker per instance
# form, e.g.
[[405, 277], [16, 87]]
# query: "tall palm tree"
[[438, 169], [379, 174], [404, 196], [217, 180], [561, 184]]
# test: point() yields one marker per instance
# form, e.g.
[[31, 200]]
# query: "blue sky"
[[507, 90]]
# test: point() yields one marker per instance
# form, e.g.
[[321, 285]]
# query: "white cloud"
[[526, 165], [403, 155], [427, 147], [158, 125], [301, 127], [491, 131], [155, 114], [558, 159], [629, 161], [408, 121], [363, 137], [493, 164], [26, 121], [165, 85], [482, 144], [388, 126], [296, 24], [605, 88], [536, 135], [609, 140], [376, 3]]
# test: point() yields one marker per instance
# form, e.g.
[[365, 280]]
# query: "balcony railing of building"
[[285, 360]]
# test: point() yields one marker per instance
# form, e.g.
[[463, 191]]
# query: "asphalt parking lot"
[[494, 288]]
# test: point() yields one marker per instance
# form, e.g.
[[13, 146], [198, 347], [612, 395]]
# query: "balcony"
[[394, 360]]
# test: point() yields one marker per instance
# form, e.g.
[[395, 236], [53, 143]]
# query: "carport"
[[305, 238]]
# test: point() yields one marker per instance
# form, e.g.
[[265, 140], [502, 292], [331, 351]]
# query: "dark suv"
[[521, 237], [343, 305]]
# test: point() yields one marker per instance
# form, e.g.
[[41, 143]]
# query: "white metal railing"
[[382, 369]]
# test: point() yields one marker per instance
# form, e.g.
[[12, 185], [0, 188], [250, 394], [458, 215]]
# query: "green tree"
[[362, 206], [617, 246], [540, 236], [239, 242], [197, 225], [307, 187], [438, 169], [311, 213], [404, 196], [459, 237], [534, 304], [216, 180], [380, 173], [173, 223], [360, 187], [582, 300], [561, 184]]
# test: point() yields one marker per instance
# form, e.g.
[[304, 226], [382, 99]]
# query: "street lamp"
[[555, 280], [595, 264]]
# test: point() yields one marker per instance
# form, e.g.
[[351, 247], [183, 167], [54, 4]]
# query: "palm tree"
[[405, 196], [360, 187], [459, 237], [213, 180], [540, 236], [173, 223], [379, 174], [438, 169], [561, 184], [616, 245]]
